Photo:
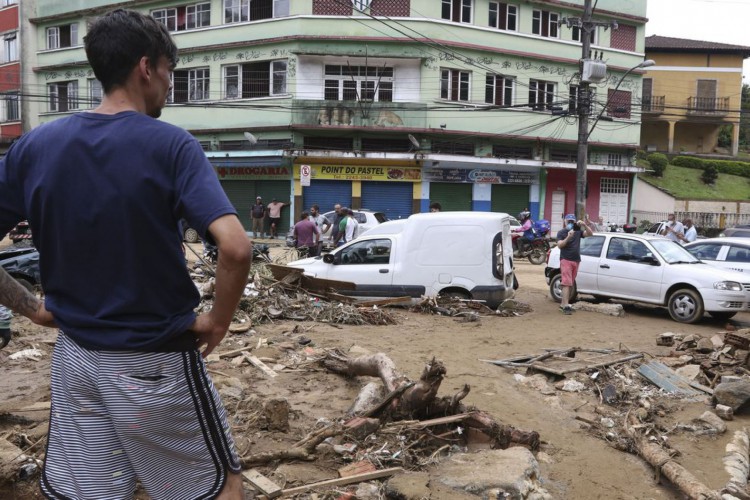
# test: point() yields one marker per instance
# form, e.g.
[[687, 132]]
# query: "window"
[[185, 17], [236, 11], [366, 252], [10, 47], [95, 92], [353, 83], [592, 246], [63, 96], [623, 37], [593, 36], [454, 85], [499, 90], [9, 2], [628, 250], [190, 85], [618, 103], [10, 110], [614, 159], [545, 23], [458, 11], [706, 251], [503, 16], [261, 79], [541, 95], [59, 37], [737, 254]]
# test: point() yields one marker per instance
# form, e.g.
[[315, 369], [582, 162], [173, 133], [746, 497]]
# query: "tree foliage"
[[710, 174], [658, 163]]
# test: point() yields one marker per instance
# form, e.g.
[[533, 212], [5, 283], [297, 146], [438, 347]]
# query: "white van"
[[460, 254]]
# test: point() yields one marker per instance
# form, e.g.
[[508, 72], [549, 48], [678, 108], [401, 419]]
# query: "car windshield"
[[673, 252]]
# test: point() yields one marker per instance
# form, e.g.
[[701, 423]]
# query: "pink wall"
[[559, 179]]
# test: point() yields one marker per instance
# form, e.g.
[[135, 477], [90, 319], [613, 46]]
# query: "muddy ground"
[[575, 464]]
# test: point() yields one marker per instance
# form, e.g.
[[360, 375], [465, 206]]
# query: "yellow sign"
[[362, 173]]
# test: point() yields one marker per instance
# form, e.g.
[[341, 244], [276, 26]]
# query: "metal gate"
[[452, 197], [613, 200], [509, 198], [242, 195], [394, 199], [326, 194]]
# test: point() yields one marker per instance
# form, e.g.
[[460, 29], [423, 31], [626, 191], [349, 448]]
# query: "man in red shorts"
[[569, 243]]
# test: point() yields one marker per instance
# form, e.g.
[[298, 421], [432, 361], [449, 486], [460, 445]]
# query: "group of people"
[[258, 213], [308, 232], [682, 232]]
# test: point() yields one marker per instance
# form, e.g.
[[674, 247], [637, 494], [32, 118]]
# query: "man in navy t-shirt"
[[569, 243], [104, 192]]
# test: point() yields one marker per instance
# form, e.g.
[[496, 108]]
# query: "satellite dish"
[[414, 141], [250, 138]]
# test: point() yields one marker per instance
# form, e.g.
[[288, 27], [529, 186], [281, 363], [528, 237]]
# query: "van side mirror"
[[329, 258], [651, 261]]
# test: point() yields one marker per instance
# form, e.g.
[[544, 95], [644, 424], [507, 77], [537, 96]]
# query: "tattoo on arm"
[[16, 297]]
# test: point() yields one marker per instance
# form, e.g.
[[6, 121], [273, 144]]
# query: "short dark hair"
[[435, 204], [117, 40], [316, 207]]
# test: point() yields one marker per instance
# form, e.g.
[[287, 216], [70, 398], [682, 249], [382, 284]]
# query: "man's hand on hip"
[[208, 333]]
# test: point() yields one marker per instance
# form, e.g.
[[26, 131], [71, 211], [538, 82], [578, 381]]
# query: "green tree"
[[658, 163], [745, 117], [710, 174], [725, 136]]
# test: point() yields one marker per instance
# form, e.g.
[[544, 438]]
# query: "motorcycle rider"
[[527, 228]]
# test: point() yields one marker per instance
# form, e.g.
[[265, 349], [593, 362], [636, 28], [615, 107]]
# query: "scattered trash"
[[32, 354]]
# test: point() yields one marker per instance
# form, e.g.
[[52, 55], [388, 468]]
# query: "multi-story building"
[[10, 74], [694, 89], [391, 104]]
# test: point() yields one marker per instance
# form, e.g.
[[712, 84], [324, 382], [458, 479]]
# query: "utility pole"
[[583, 105]]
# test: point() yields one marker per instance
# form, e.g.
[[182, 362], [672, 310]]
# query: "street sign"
[[305, 173]]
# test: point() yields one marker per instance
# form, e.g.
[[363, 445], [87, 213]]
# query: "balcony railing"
[[653, 104], [711, 106]]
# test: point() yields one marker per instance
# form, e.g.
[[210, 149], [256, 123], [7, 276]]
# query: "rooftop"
[[669, 44]]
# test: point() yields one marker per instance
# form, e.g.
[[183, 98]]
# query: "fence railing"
[[702, 220]]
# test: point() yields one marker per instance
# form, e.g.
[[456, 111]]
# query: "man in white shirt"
[[352, 228], [674, 230], [690, 232]]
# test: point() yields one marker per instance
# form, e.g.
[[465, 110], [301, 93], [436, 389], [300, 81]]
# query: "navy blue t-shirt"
[[104, 195], [571, 251]]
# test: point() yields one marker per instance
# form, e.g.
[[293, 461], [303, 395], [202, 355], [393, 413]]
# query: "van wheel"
[[722, 316], [191, 235], [555, 289], [685, 306], [455, 295]]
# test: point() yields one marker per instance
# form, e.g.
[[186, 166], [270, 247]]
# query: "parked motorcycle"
[[536, 252]]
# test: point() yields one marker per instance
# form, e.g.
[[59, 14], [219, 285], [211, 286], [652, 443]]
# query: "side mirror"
[[329, 258], [651, 261]]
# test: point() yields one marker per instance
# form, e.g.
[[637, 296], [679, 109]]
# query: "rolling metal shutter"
[[394, 199], [242, 195], [452, 197], [326, 194], [509, 198]]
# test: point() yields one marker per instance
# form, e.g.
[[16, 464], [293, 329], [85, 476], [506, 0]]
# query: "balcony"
[[653, 105], [346, 114], [708, 106]]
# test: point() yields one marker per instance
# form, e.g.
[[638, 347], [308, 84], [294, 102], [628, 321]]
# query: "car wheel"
[[722, 316], [555, 289], [455, 295], [537, 256], [685, 306], [191, 235]]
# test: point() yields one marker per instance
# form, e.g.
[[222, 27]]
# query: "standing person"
[[569, 243], [690, 234], [435, 207], [307, 235], [322, 222], [596, 226], [674, 229], [258, 215], [352, 227], [335, 223], [274, 216], [131, 398]]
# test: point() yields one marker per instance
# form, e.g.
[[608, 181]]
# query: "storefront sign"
[[252, 173], [363, 173], [478, 175]]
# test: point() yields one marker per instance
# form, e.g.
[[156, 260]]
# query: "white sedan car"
[[726, 253], [367, 219], [653, 270]]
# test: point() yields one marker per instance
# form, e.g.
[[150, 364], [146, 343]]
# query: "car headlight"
[[732, 286]]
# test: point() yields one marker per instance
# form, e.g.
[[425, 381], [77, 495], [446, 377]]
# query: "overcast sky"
[[724, 21]]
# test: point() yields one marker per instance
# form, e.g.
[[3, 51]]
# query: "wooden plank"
[[308, 282], [359, 478], [664, 377], [382, 302], [236, 352], [259, 364], [361, 467], [562, 365], [262, 483]]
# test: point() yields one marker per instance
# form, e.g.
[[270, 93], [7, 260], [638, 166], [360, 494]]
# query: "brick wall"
[[623, 37], [391, 8]]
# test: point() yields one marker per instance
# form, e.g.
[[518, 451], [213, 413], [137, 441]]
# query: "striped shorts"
[[118, 416]]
